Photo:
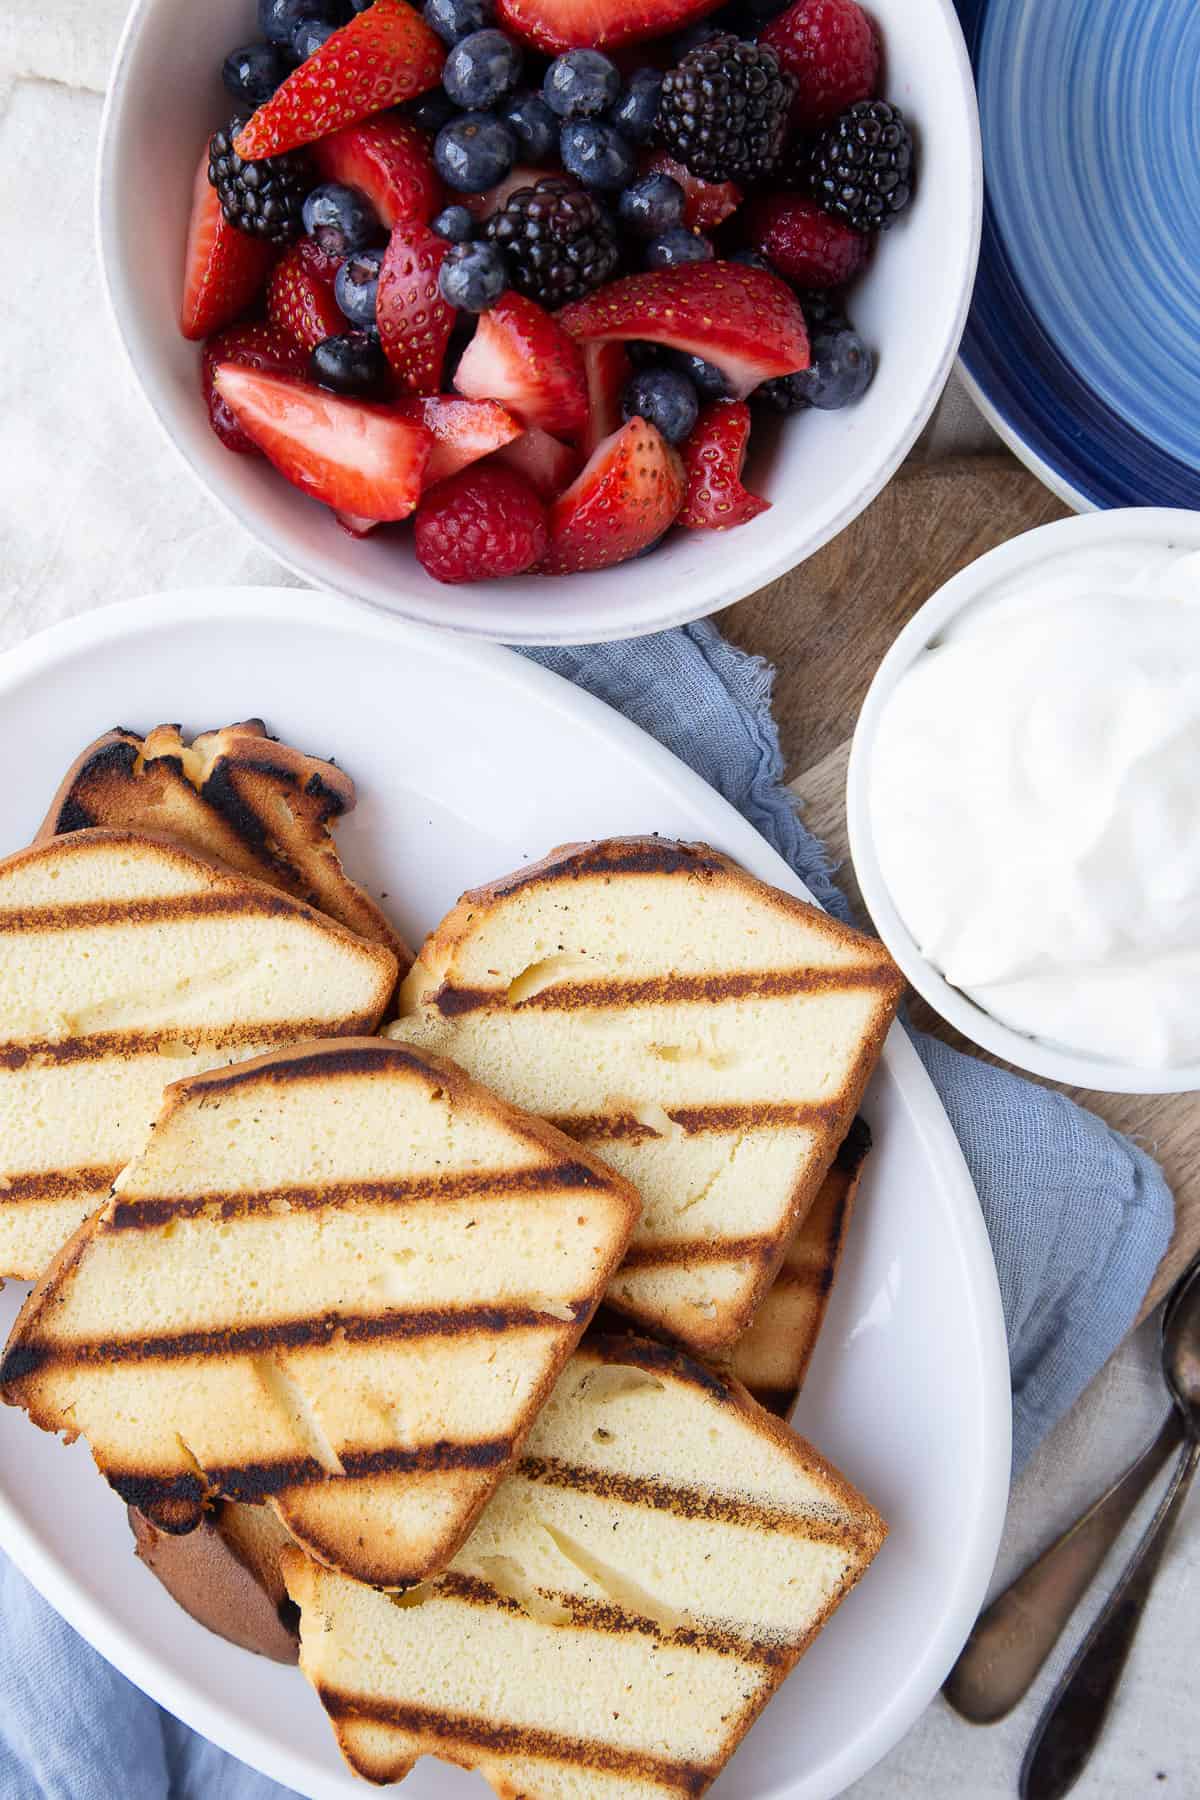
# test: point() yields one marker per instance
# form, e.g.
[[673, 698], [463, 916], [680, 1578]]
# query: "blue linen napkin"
[[1079, 1219]]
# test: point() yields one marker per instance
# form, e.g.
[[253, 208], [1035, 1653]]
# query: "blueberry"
[[783, 394], [662, 397], [353, 364], [535, 126], [309, 36], [679, 245], [473, 276], [581, 84], [252, 73], [751, 259], [822, 312], [341, 218], [637, 110], [481, 69], [651, 206], [455, 224], [455, 19], [360, 5], [708, 381], [278, 19], [597, 154], [642, 354], [432, 110], [356, 286], [474, 152], [839, 371]]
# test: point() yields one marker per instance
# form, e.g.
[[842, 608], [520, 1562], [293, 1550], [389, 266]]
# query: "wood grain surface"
[[826, 626]]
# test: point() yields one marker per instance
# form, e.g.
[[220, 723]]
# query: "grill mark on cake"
[[683, 1501], [167, 908], [102, 1046], [855, 1147], [669, 990], [617, 1345], [495, 1737], [220, 790], [501, 1184], [614, 856], [659, 1254], [254, 1482], [604, 1615], [223, 1342], [56, 1184], [696, 1121], [326, 1065]]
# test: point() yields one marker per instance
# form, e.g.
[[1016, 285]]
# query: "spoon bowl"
[[1181, 1349]]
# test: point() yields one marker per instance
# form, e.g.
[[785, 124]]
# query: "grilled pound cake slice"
[[340, 1280], [709, 1036], [259, 806], [125, 960], [226, 1575], [771, 1357], [633, 1595]]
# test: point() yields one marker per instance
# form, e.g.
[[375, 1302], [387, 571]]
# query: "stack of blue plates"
[[1083, 344]]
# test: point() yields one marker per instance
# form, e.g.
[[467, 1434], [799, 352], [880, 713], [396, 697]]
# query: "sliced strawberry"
[[390, 162], [384, 55], [462, 430], [607, 369], [413, 320], [547, 464], [256, 346], [523, 358], [300, 303], [707, 204], [597, 24], [482, 206], [356, 457], [224, 268], [713, 458], [354, 525], [630, 491], [746, 321]]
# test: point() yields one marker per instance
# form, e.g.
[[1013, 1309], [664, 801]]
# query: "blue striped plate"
[[1083, 343]]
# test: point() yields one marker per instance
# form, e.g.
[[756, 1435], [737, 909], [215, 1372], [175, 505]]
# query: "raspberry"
[[831, 49], [481, 523], [804, 243]]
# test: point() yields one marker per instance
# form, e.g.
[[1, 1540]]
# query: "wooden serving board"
[[826, 626]]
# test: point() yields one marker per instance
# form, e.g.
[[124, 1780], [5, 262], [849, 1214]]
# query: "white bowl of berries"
[[548, 321]]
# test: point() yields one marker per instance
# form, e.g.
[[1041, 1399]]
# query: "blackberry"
[[264, 199], [724, 109], [558, 241], [861, 167]]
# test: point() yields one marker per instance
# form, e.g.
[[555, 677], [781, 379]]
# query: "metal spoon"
[[1014, 1635], [1074, 1716]]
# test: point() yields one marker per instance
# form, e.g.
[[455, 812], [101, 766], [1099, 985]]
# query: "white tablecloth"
[[96, 508]]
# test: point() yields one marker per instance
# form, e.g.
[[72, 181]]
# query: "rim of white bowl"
[[738, 578], [1163, 524]]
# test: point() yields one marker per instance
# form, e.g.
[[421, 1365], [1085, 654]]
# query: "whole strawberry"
[[831, 50], [482, 523], [804, 243]]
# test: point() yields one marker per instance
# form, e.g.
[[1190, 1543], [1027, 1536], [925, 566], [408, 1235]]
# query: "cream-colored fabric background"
[[95, 508]]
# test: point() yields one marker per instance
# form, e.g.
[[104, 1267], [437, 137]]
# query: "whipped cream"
[[1035, 802]]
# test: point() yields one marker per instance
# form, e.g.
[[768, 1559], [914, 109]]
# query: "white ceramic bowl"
[[1159, 525], [820, 472]]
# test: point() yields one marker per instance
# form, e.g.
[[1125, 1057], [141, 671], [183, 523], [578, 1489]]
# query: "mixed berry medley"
[[526, 271]]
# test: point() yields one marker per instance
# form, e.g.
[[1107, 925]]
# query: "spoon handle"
[[1075, 1713], [1017, 1632]]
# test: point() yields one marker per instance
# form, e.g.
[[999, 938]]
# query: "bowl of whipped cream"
[[1023, 801]]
